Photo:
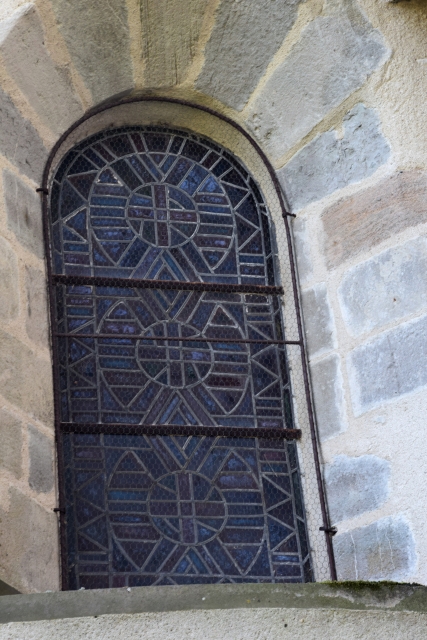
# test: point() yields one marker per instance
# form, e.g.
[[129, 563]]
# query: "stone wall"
[[335, 93]]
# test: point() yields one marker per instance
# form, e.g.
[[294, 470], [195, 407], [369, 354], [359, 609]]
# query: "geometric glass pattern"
[[173, 388]]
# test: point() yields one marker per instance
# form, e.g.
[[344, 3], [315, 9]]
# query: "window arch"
[[176, 415]]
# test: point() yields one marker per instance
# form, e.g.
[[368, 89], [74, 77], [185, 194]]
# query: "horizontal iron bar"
[[130, 283], [173, 339], [173, 430]]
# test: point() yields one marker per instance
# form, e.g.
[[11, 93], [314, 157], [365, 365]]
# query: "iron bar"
[[119, 336]]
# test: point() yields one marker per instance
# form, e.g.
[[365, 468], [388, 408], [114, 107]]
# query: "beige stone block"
[[24, 212], [25, 379], [40, 449], [28, 545], [11, 443], [37, 311], [356, 224], [9, 282]]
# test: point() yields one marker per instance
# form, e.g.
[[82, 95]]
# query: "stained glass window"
[[177, 464]]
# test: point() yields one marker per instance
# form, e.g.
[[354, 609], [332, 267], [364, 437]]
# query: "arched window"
[[177, 464]]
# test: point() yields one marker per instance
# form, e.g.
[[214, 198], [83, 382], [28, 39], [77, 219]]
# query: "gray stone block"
[[318, 320], [19, 141], [26, 379], [97, 37], [328, 396], [329, 163], [335, 54], [389, 366], [388, 287], [40, 449], [302, 249], [9, 282], [47, 86], [383, 550], [243, 31], [355, 485], [11, 443], [37, 311], [24, 212]]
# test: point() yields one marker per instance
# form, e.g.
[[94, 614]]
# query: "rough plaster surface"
[[243, 31], [41, 454], [328, 396], [357, 223], [24, 212], [333, 57], [9, 282], [382, 550], [29, 546], [11, 443], [385, 288], [318, 320], [25, 379], [389, 366], [329, 162], [356, 485], [28, 62], [97, 36], [37, 312], [24, 147], [237, 624]]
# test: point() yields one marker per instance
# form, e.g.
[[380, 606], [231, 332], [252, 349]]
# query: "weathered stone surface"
[[329, 163], [328, 396], [40, 449], [24, 212], [302, 249], [356, 224], [243, 31], [97, 36], [390, 286], [383, 550], [389, 366], [337, 51], [25, 379], [9, 282], [19, 141], [37, 311], [28, 545], [318, 320], [47, 86], [170, 30], [355, 485], [11, 443]]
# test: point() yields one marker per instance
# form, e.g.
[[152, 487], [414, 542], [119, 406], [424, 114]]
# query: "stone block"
[[9, 282], [242, 32], [167, 58], [29, 545], [355, 224], [41, 452], [302, 249], [328, 396], [318, 320], [329, 162], [24, 213], [97, 37], [355, 485], [334, 56], [25, 379], [37, 310], [11, 443], [19, 141], [389, 366], [47, 87], [383, 550], [385, 288]]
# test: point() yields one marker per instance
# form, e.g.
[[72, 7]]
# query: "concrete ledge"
[[358, 596]]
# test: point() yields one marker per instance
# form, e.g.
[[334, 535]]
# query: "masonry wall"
[[335, 93]]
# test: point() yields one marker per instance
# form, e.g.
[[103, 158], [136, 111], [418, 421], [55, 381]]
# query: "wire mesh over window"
[[176, 422]]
